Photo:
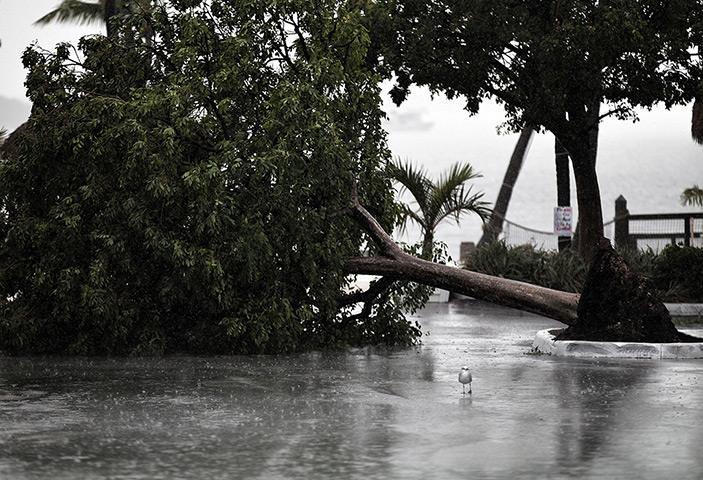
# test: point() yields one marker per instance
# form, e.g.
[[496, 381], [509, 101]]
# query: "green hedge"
[[677, 272]]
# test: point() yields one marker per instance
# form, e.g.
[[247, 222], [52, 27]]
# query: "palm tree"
[[448, 197], [82, 12], [75, 11], [494, 227], [692, 196]]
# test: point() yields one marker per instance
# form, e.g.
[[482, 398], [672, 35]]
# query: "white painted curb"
[[544, 343]]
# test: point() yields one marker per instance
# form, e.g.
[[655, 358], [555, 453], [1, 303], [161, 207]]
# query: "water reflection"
[[366, 413], [592, 396]]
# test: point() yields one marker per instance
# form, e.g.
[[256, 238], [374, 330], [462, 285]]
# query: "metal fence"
[[640, 231], [656, 230], [516, 234]]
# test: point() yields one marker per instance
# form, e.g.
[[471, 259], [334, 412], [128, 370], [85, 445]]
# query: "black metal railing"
[[673, 228]]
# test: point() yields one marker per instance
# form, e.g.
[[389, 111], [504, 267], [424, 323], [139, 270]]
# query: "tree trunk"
[[617, 304], [590, 214], [428, 245], [582, 146], [494, 227], [112, 8], [394, 262], [553, 304], [697, 120]]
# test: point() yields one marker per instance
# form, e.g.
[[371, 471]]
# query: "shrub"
[[677, 272], [558, 270]]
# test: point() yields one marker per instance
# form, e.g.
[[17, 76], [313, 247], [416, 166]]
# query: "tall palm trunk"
[[697, 119], [111, 9], [494, 227]]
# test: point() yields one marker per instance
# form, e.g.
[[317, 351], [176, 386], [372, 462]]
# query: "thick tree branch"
[[369, 296], [388, 247], [393, 261]]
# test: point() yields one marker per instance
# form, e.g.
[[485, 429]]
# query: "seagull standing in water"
[[464, 378]]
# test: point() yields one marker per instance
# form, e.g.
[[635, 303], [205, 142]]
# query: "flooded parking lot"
[[361, 414]]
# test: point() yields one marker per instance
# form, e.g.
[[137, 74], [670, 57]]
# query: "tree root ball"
[[619, 305]]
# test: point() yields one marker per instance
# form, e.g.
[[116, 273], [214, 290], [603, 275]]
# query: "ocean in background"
[[649, 162]]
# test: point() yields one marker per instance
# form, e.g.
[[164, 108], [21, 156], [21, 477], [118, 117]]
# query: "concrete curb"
[[544, 343]]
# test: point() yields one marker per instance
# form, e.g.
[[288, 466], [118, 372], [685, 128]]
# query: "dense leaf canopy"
[[544, 59], [560, 65], [191, 193]]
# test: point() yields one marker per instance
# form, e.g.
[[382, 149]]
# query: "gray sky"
[[633, 158], [17, 32]]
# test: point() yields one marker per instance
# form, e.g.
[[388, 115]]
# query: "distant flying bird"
[[464, 378]]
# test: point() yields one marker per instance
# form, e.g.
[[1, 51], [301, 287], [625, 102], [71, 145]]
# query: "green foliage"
[[677, 272], [692, 196], [555, 65], [448, 197], [544, 59], [189, 193], [557, 270]]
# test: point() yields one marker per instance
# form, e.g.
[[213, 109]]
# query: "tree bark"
[[582, 146], [494, 227], [394, 262], [697, 121], [560, 306], [112, 8], [590, 214], [428, 245], [110, 11], [617, 304]]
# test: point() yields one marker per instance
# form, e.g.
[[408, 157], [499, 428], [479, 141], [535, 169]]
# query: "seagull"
[[464, 378]]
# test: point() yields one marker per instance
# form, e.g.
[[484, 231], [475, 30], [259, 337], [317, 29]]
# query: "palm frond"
[[463, 201], [408, 215], [449, 191], [692, 196], [75, 11], [412, 179]]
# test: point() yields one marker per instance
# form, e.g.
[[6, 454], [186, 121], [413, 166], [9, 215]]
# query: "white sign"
[[562, 221]]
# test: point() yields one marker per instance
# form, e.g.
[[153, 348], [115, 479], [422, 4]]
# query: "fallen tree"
[[394, 262], [191, 194], [617, 304]]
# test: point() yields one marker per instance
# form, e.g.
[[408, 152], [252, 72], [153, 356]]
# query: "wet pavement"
[[367, 413]]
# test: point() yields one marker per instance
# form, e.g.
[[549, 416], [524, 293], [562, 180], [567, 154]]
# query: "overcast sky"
[[437, 133]]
